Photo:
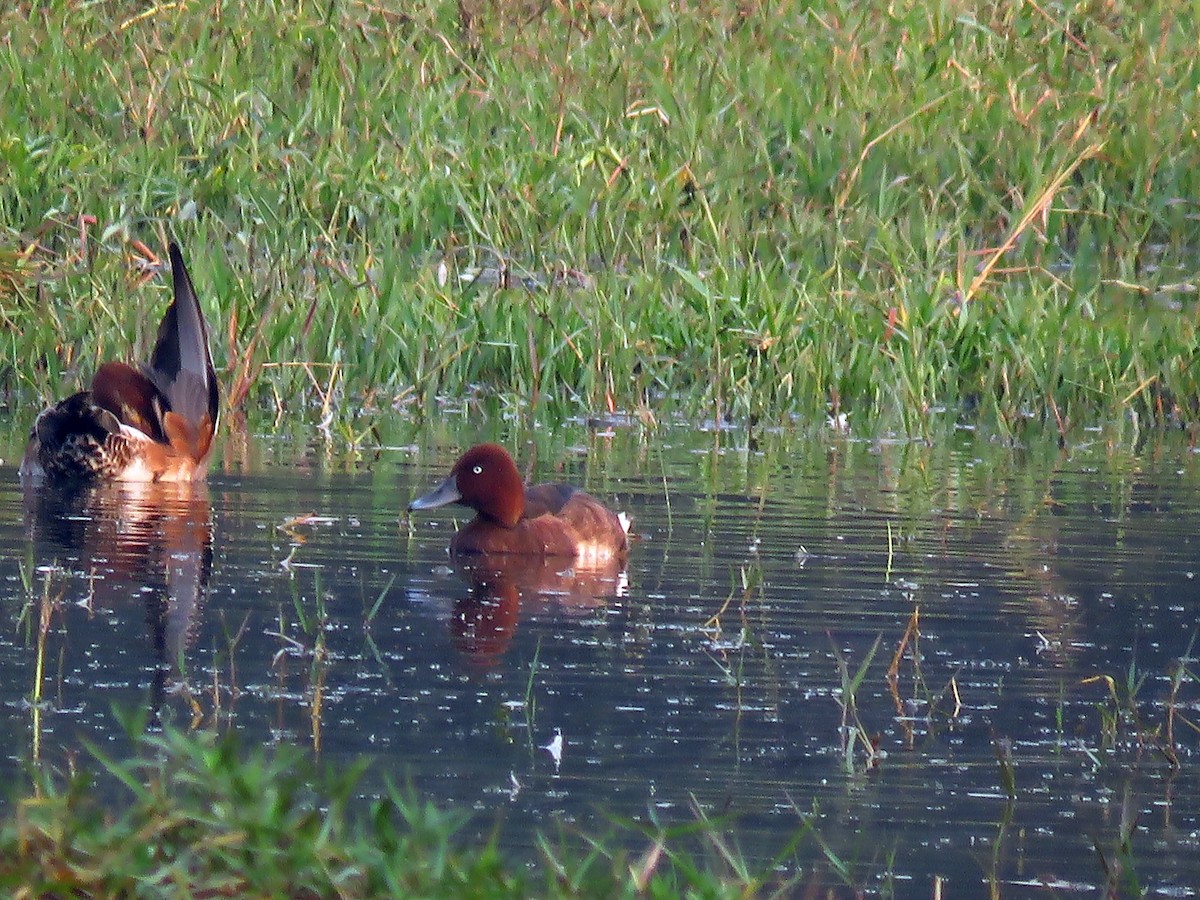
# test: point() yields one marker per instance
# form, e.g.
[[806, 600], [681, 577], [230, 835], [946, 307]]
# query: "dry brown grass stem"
[[1033, 211]]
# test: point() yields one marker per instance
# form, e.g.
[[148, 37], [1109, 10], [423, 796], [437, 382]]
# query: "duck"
[[534, 521], [153, 423]]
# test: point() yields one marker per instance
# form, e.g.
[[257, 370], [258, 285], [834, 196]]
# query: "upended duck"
[[148, 424]]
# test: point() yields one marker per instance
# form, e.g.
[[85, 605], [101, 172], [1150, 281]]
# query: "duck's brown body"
[[559, 520], [155, 423], [539, 520]]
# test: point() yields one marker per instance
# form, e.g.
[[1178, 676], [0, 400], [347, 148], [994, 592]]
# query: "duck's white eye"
[[478, 470]]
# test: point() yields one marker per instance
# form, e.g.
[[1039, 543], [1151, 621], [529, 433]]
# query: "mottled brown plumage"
[[153, 423]]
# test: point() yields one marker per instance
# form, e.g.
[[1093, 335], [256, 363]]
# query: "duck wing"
[[547, 499]]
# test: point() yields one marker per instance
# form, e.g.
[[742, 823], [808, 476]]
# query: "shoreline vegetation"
[[198, 815], [746, 212]]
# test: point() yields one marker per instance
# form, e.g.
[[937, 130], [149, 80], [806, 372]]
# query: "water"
[[288, 601]]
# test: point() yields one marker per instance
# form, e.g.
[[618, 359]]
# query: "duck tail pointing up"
[[181, 365]]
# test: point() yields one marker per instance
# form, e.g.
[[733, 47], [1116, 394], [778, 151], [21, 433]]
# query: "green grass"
[[198, 816], [743, 209]]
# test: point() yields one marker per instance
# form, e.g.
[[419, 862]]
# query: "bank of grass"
[[198, 817], [753, 210]]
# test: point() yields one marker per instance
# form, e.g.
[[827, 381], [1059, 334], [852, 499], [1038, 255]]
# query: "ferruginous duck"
[[531, 520]]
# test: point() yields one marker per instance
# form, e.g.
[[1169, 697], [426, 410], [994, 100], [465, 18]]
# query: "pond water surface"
[[288, 600]]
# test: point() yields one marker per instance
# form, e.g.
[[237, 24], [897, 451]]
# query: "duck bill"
[[445, 493]]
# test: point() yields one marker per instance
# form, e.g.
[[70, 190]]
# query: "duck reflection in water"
[[502, 588], [129, 541]]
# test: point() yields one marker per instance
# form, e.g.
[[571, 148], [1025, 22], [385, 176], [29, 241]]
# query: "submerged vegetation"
[[744, 210], [200, 814]]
